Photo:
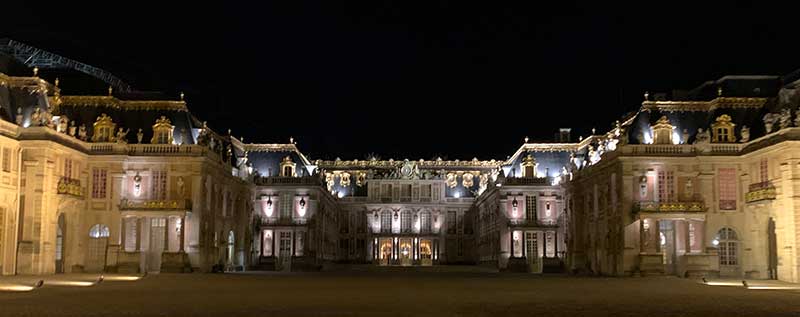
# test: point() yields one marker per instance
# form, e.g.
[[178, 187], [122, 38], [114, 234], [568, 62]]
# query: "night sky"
[[415, 81]]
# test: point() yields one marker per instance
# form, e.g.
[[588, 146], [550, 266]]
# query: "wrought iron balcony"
[[155, 204], [760, 191], [276, 180], [69, 186], [673, 206]]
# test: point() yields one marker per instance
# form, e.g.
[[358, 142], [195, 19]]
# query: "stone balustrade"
[[675, 206], [155, 204]]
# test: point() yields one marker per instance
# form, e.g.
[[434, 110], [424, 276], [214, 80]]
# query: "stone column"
[[555, 242], [124, 233], [657, 236], [512, 244], [166, 235], [183, 236], [138, 234], [687, 242], [544, 244], [642, 236], [524, 245]]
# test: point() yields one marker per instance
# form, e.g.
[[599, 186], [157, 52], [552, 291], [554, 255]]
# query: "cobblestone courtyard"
[[392, 294]]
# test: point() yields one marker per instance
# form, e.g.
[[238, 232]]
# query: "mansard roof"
[[266, 158]]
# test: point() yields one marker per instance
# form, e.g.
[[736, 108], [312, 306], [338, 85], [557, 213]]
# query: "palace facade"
[[699, 183]]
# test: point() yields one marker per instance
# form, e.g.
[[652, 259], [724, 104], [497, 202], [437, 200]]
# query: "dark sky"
[[415, 80]]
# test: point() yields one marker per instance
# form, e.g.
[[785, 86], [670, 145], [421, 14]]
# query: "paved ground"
[[392, 294]]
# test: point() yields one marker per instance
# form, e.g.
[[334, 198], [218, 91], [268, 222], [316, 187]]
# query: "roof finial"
[[229, 132], [56, 81], [181, 95], [526, 139], [35, 71], [593, 130], [646, 95], [291, 140], [110, 90], [719, 91]]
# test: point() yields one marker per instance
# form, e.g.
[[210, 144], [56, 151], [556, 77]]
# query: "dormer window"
[[662, 131], [103, 129], [529, 166], [722, 130], [287, 167], [162, 131]]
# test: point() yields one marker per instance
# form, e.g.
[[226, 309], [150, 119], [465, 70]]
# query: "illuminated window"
[[162, 131], [425, 222], [287, 204], [666, 186], [287, 167], [99, 183], [530, 208], [103, 129], [6, 160], [405, 221], [662, 131], [158, 188], [722, 130], [727, 242], [99, 231], [726, 181], [386, 221]]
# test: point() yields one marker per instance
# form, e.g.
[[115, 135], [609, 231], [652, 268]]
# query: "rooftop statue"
[[745, 134]]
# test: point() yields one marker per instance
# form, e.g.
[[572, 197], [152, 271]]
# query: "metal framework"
[[34, 57]]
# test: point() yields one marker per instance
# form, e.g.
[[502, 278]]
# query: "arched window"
[[722, 130], [99, 231], [425, 222], [662, 131], [405, 221], [162, 131], [728, 242], [287, 167], [103, 129]]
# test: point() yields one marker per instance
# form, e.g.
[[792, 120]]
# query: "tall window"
[[727, 188], [405, 221], [728, 242], [530, 208], [666, 186], [67, 167], [425, 222], [287, 202], [159, 186], [99, 180], [425, 191], [405, 190], [386, 191], [764, 170], [6, 160], [386, 222], [451, 222]]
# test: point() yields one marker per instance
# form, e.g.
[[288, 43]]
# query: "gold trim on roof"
[[269, 147], [719, 102], [420, 163], [113, 102]]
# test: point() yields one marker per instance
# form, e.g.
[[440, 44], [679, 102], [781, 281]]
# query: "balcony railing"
[[69, 186], [155, 204], [676, 206], [305, 180], [760, 191], [510, 181]]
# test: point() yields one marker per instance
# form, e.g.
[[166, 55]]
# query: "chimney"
[[563, 135]]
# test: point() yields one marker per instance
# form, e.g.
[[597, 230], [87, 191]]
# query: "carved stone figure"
[[181, 186], [82, 133], [139, 136], [63, 125], [689, 188], [769, 121], [685, 136], [643, 187], [72, 128], [36, 117], [137, 185], [702, 137], [785, 118], [745, 134], [122, 136], [19, 116], [47, 117]]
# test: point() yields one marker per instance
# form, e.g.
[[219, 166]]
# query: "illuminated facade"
[[699, 185]]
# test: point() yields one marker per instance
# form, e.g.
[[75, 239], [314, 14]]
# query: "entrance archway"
[[98, 241], [60, 230], [386, 251]]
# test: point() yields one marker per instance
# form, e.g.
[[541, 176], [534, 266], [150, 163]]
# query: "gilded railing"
[[69, 186], [155, 204], [676, 206], [760, 191]]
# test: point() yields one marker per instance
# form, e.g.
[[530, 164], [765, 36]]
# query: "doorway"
[[773, 250], [405, 252], [386, 251], [158, 228], [425, 253], [59, 243], [98, 241], [285, 251], [532, 251], [667, 242]]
